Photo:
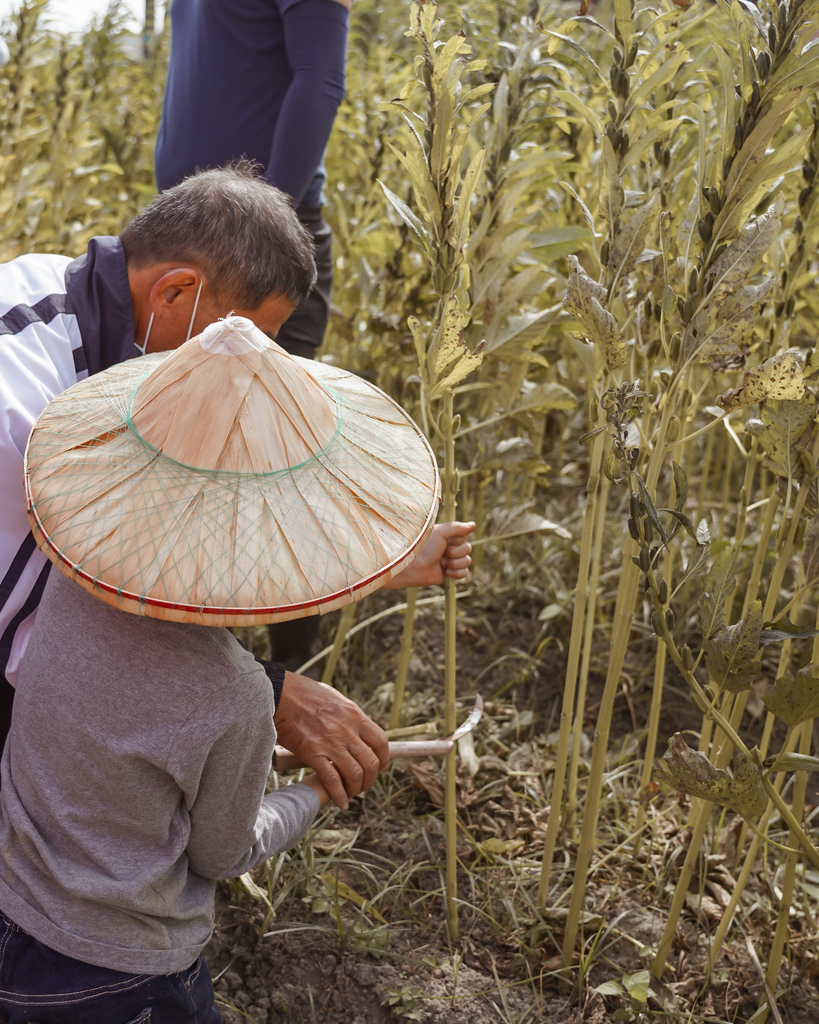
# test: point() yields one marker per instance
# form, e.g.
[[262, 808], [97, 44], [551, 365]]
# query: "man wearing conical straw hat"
[[226, 482], [221, 240]]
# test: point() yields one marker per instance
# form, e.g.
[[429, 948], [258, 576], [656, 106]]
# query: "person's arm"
[[233, 825], [315, 36]]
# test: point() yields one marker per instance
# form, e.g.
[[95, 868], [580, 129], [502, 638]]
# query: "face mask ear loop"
[[143, 347], [195, 307]]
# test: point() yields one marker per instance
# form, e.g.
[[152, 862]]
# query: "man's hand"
[[446, 553], [331, 735]]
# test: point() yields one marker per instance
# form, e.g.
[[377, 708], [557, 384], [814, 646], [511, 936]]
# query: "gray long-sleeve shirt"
[[132, 779]]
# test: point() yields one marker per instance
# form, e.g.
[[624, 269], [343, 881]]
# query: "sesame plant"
[[691, 279], [78, 119]]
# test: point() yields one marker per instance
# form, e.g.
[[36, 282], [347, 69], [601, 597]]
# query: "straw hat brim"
[[152, 536]]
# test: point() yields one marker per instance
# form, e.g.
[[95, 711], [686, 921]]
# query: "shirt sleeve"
[[233, 825], [315, 35]]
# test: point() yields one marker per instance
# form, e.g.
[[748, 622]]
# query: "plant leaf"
[[409, 218], [731, 654], [631, 240], [779, 377], [793, 762], [651, 511], [583, 300], [449, 360], [794, 699], [733, 267], [783, 425], [718, 587], [718, 330], [690, 771]]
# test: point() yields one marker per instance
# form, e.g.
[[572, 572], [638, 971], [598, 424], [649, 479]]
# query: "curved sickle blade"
[[469, 723]]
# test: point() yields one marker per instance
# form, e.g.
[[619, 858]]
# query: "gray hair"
[[242, 233]]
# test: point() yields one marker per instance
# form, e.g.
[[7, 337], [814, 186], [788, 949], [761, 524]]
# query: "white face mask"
[[141, 349]]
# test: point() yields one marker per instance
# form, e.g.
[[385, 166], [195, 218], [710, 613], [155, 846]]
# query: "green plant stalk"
[[450, 488], [570, 682], [621, 630], [791, 864], [403, 659], [659, 676], [761, 551], [588, 640], [651, 737]]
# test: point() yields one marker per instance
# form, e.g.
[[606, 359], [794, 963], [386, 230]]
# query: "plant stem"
[[570, 682], [450, 486], [403, 658]]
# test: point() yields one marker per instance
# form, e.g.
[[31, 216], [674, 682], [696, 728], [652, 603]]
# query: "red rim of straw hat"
[[326, 603]]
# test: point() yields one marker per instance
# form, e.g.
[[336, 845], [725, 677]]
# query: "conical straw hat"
[[229, 483]]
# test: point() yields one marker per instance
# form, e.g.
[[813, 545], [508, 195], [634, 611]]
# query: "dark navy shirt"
[[253, 78]]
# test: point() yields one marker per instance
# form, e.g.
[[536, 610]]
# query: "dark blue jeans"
[[41, 986]]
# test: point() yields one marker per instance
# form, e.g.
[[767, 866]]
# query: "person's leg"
[[301, 335], [303, 331], [39, 984]]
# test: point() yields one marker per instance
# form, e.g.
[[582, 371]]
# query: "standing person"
[[261, 79], [142, 735]]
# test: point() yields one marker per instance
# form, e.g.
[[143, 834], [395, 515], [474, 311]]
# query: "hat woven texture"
[[229, 483]]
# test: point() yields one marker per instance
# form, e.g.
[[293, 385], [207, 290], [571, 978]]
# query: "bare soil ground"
[[357, 934]]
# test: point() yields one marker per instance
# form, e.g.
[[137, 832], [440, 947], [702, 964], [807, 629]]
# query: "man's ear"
[[174, 292]]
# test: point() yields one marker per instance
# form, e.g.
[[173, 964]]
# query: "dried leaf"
[[784, 423], [779, 377], [583, 300], [794, 699], [733, 267], [337, 889], [689, 771], [731, 654], [449, 360], [719, 329]]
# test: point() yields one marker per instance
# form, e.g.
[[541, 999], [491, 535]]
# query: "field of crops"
[[579, 244]]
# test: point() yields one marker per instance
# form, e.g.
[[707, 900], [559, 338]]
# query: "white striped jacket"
[[60, 319]]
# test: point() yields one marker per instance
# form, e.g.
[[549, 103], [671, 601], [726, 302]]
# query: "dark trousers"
[[303, 331], [37, 984], [301, 335], [6, 701]]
